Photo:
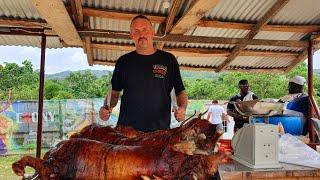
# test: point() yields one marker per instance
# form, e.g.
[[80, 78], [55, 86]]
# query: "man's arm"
[[209, 115], [105, 111], [114, 98], [182, 102]]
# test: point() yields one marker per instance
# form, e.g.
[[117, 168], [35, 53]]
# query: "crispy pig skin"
[[89, 159], [101, 152]]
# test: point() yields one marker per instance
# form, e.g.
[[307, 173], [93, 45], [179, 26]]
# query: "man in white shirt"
[[216, 114]]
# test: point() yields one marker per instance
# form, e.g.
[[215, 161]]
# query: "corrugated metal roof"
[[201, 61], [18, 9], [113, 25], [260, 62], [32, 41], [107, 55], [108, 40], [240, 10], [215, 32], [298, 12], [279, 35], [140, 6], [273, 48]]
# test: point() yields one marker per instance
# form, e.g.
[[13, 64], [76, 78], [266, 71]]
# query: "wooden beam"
[[55, 13], [26, 31], [195, 68], [247, 26], [190, 19], [79, 12], [74, 14], [23, 23], [169, 21], [300, 58], [76, 8], [111, 14], [105, 62], [89, 52], [197, 52], [254, 31], [304, 55], [197, 39]]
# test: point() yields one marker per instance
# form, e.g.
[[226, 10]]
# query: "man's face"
[[142, 33], [244, 88]]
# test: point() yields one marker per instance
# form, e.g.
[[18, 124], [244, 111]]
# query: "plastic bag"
[[294, 151]]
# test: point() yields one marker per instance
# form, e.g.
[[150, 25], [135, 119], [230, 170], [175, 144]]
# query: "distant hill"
[[64, 74], [99, 73]]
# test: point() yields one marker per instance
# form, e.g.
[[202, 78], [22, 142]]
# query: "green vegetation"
[[24, 82], [6, 172]]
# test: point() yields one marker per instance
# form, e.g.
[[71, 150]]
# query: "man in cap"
[[297, 100]]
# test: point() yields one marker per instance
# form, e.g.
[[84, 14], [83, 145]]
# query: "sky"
[[73, 59], [57, 60]]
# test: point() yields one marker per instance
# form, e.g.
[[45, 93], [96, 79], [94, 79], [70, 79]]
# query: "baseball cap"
[[298, 80]]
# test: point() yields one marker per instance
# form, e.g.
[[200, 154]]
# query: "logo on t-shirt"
[[159, 71]]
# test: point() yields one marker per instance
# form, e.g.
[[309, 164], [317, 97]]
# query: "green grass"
[[6, 172]]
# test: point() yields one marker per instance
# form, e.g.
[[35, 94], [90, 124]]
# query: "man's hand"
[[105, 113], [179, 113]]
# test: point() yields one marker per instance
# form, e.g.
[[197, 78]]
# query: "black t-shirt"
[[146, 81], [238, 122]]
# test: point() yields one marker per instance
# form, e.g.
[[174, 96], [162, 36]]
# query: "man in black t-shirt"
[[244, 95], [146, 76]]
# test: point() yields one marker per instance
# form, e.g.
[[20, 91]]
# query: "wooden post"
[[40, 102], [310, 91]]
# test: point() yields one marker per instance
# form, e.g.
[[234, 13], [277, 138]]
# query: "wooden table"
[[236, 171]]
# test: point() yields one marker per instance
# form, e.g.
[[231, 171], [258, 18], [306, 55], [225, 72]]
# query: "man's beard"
[[143, 44]]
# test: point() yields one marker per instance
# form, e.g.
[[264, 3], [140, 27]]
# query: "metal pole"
[[40, 103], [310, 90]]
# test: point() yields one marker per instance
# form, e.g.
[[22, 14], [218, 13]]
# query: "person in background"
[[244, 95], [146, 76], [216, 114], [296, 102]]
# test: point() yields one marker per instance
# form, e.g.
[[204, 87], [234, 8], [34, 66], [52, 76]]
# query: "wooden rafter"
[[56, 15], [254, 31], [195, 68], [193, 15], [197, 52], [26, 31], [169, 21], [77, 13], [197, 39], [89, 52], [121, 15], [23, 23], [87, 42], [302, 56], [248, 26]]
